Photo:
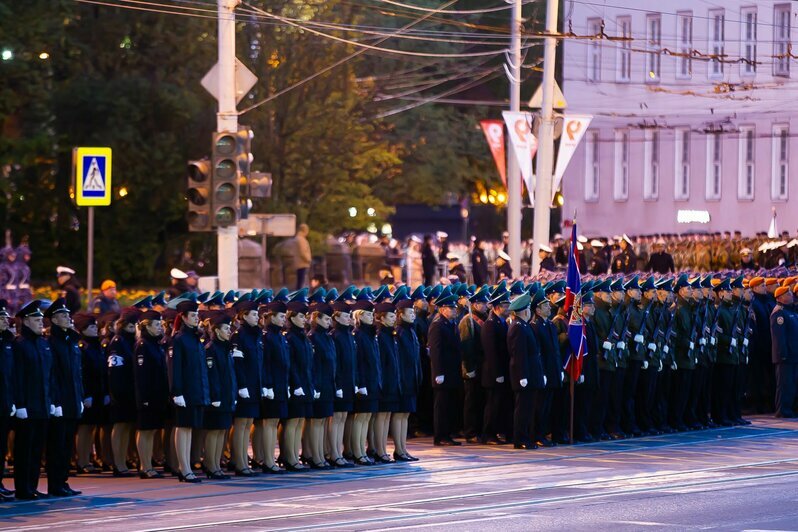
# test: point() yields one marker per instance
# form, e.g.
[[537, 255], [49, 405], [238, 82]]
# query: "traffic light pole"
[[546, 147], [513, 170], [227, 120]]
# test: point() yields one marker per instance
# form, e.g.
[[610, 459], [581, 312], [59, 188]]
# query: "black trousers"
[[498, 402], [559, 421], [600, 405], [628, 418], [444, 412], [761, 383], [613, 422], [659, 412], [524, 415], [786, 377], [60, 446], [28, 446], [5, 428], [583, 396], [473, 407], [424, 408], [680, 392], [723, 393], [644, 401], [543, 421], [704, 404]]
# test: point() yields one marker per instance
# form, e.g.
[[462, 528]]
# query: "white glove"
[[733, 342], [692, 345], [216, 404], [545, 380], [652, 346], [674, 367], [59, 412], [702, 341], [146, 404], [581, 379], [356, 389], [471, 374], [243, 393], [713, 340], [316, 395], [562, 376], [87, 402], [21, 413], [52, 410], [639, 338], [299, 392], [745, 342], [269, 393], [339, 394], [13, 411], [439, 379], [179, 401], [645, 364], [362, 391], [660, 366], [81, 407], [523, 383], [746, 360], [666, 349], [289, 391], [607, 344], [263, 392], [107, 400], [621, 345], [696, 360], [500, 380], [237, 354]]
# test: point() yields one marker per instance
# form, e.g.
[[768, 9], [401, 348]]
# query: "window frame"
[[685, 46], [654, 47], [593, 51], [747, 40], [714, 160], [592, 166], [781, 42], [681, 161], [620, 189], [624, 57], [746, 164], [717, 43], [780, 156], [652, 160]]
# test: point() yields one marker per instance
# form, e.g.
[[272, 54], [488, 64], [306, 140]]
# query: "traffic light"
[[198, 195], [225, 180]]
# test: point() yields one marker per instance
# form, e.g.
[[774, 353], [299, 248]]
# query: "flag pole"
[[570, 377]]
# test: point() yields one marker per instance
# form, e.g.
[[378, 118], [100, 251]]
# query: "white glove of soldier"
[[607, 345], [545, 380], [299, 392], [107, 400], [702, 341], [59, 412], [713, 340], [666, 349], [243, 393], [87, 402], [216, 404], [562, 376], [471, 374], [745, 342], [621, 345], [363, 391], [146, 404], [269, 393], [316, 395], [639, 338], [289, 391], [179, 401], [13, 411], [581, 379], [439, 379], [523, 383], [692, 345], [21, 413], [500, 380], [52, 410], [746, 360], [237, 354], [263, 392], [356, 389], [645, 364], [734, 342], [674, 367], [339, 394], [81, 407], [652, 346]]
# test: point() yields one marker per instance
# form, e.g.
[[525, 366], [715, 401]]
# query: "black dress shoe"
[[27, 496], [446, 443], [473, 439], [617, 436], [295, 468], [246, 473], [742, 421], [545, 442], [217, 475], [526, 446], [122, 474], [59, 492], [6, 492], [150, 473], [68, 488], [191, 478], [401, 458], [271, 470]]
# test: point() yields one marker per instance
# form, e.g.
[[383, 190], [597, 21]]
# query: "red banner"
[[494, 133]]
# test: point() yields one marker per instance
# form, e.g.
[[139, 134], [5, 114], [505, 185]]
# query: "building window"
[[781, 162], [717, 41], [651, 170], [714, 166], [781, 40], [682, 165], [653, 44], [746, 176], [684, 38], [594, 50], [748, 29], [622, 149], [592, 165], [624, 67]]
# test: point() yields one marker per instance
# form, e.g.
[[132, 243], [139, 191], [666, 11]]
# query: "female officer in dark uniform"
[[95, 388], [223, 391], [120, 384], [248, 360], [323, 381], [409, 377], [152, 388], [368, 378], [339, 429], [276, 363], [189, 385], [300, 381], [7, 407], [391, 388]]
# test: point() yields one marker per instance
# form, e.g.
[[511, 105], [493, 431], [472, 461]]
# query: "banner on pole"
[[574, 127], [525, 145], [494, 133]]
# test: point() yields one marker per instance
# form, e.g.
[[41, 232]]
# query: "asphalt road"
[[743, 478]]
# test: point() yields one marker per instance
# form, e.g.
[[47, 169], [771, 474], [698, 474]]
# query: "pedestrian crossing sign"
[[92, 181]]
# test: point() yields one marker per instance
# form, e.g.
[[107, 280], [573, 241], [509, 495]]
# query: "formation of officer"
[[327, 380]]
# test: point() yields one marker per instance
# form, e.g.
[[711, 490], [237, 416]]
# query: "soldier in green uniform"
[[728, 358], [604, 319], [683, 364]]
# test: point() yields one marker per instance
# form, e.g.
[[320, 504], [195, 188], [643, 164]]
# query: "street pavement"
[[739, 478]]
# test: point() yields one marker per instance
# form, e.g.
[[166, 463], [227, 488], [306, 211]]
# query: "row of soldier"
[[663, 355]]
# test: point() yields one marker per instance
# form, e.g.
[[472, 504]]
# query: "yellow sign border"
[[80, 154]]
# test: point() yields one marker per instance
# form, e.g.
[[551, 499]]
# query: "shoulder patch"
[[209, 362], [140, 360], [780, 320]]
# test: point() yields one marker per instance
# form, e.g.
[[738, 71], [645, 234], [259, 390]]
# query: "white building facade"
[[695, 114]]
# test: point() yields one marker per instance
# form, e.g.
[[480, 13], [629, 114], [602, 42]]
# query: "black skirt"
[[212, 419], [247, 410], [407, 404], [123, 413], [322, 409], [367, 405], [299, 408], [96, 415], [389, 406], [151, 418], [188, 417], [274, 409], [342, 405]]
